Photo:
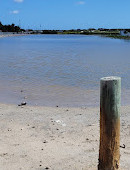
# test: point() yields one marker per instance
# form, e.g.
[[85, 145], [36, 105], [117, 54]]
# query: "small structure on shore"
[[125, 32]]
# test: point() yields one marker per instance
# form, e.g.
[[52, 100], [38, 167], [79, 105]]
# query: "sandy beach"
[[10, 35], [38, 138], [55, 138]]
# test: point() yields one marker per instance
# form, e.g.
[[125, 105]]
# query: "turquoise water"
[[61, 69]]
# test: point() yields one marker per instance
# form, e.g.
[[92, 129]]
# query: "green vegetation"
[[49, 32], [10, 28], [91, 31], [118, 37], [112, 33]]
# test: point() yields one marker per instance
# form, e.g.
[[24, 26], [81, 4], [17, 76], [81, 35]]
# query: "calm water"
[[62, 70]]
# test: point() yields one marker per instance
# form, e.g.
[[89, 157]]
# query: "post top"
[[111, 78]]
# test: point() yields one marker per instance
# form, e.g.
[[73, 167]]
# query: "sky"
[[66, 14]]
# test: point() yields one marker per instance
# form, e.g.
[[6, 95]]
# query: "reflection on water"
[[61, 69]]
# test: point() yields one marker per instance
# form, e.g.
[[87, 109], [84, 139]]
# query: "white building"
[[125, 32]]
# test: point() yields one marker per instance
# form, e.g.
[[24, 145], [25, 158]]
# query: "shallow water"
[[62, 70]]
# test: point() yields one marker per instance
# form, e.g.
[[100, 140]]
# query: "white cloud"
[[15, 12], [19, 1], [81, 2]]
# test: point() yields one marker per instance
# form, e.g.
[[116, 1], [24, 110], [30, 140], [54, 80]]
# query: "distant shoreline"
[[118, 37], [103, 35]]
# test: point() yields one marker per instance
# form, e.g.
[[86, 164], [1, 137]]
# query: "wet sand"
[[55, 138]]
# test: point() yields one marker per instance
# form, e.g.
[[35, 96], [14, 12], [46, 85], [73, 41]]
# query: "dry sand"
[[11, 35], [38, 138]]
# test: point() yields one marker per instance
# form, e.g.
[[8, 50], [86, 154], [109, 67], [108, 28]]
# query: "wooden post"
[[110, 97]]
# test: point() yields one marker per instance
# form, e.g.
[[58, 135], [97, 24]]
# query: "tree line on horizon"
[[10, 28], [17, 29]]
